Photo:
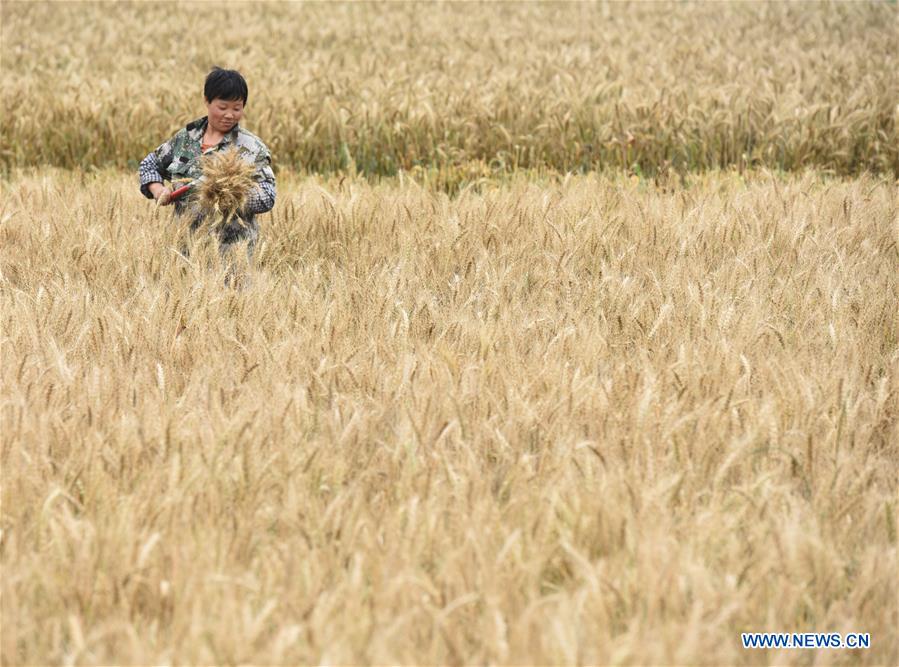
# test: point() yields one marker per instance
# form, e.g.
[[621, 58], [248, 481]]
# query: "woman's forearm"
[[150, 176], [261, 199]]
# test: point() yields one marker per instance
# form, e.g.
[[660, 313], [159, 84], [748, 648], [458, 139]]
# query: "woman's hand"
[[161, 194]]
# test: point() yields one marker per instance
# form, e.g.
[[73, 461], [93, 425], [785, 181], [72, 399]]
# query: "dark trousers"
[[229, 234]]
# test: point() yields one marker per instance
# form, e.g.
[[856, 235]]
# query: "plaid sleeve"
[[154, 168], [262, 199]]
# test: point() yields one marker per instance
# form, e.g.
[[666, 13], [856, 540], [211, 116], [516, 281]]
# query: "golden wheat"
[[486, 407], [586, 420], [649, 87]]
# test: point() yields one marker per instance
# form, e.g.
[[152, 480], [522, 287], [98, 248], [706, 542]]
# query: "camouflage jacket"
[[177, 160]]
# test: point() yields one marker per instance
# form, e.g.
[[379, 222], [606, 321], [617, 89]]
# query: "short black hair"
[[225, 84]]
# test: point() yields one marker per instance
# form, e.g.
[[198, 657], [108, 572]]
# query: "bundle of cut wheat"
[[226, 183]]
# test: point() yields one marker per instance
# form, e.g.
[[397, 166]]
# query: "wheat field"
[[572, 338], [586, 421], [446, 88]]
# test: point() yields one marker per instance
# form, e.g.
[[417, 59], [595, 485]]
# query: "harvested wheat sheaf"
[[226, 183]]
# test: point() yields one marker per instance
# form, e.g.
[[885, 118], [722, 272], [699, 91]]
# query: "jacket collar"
[[197, 128]]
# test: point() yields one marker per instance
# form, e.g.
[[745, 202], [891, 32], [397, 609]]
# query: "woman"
[[177, 160]]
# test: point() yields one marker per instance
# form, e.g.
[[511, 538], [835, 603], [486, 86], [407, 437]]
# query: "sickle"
[[180, 192]]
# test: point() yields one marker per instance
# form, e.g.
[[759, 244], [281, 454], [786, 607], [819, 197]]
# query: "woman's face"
[[224, 114]]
